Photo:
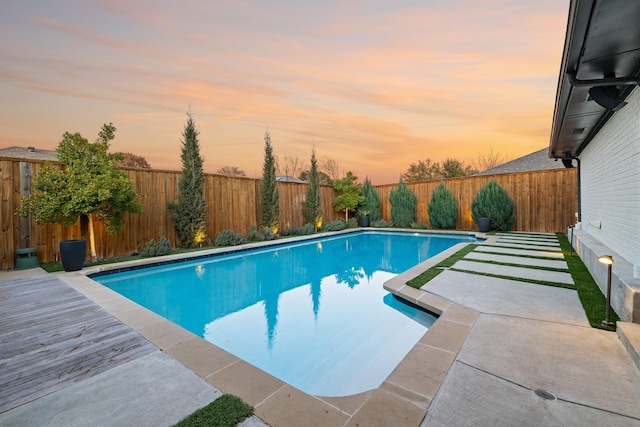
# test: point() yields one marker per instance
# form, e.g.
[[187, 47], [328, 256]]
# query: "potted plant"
[[492, 208], [364, 217], [89, 184], [372, 203], [484, 224]]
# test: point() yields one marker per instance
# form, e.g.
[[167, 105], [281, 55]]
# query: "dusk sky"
[[375, 85]]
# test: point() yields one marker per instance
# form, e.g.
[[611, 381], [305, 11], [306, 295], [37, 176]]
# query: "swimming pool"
[[312, 313]]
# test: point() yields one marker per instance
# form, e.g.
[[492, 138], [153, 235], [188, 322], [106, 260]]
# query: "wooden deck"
[[52, 336]]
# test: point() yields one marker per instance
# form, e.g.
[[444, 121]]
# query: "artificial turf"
[[226, 411]]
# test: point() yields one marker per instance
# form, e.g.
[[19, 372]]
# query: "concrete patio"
[[497, 341]]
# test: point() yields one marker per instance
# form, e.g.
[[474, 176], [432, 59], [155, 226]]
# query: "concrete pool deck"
[[479, 363]]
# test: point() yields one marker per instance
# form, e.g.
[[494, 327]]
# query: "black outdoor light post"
[[608, 260]]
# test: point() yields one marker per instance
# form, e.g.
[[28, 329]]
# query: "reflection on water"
[[313, 314]]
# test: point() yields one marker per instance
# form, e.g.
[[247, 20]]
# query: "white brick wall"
[[610, 174]]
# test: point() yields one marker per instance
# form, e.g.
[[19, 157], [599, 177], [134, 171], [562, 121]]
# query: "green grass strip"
[[432, 272], [519, 279], [593, 300], [226, 411]]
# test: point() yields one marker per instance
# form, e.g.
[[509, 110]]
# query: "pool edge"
[[278, 403]]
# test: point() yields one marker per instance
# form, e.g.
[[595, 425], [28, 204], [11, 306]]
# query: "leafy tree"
[[323, 178], [89, 184], [493, 202], [453, 168], [130, 160], [403, 205], [347, 194], [372, 203], [427, 170], [312, 209], [189, 211], [443, 208], [270, 207], [424, 170], [231, 171]]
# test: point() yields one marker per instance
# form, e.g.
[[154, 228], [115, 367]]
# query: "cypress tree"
[[372, 203], [269, 208], [311, 209], [189, 211], [403, 206], [493, 202], [443, 208]]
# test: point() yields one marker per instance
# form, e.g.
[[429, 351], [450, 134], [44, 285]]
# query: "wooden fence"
[[545, 201]]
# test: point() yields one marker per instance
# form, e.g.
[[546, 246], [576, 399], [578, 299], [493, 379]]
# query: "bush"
[[229, 238], [381, 223], [156, 249], [335, 225], [419, 225], [493, 202], [372, 202], [443, 208], [305, 230], [264, 233], [352, 223], [253, 235], [403, 206]]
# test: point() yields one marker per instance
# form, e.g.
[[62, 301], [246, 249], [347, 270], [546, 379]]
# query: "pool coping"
[[403, 397]]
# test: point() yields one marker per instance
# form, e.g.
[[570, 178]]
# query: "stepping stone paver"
[[523, 246], [552, 246], [507, 259], [515, 272], [509, 297], [526, 233], [536, 238], [509, 251]]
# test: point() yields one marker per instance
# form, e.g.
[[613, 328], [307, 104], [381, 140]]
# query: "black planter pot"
[[364, 220], [72, 253], [484, 224]]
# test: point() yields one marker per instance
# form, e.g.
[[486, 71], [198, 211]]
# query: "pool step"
[[629, 334]]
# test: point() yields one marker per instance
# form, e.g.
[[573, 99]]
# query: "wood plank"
[[52, 336]]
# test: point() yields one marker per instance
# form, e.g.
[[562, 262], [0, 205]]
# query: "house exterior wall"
[[610, 183]]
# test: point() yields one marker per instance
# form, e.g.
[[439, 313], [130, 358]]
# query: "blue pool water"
[[313, 313]]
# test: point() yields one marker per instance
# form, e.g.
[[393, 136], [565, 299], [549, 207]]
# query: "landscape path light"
[[608, 260]]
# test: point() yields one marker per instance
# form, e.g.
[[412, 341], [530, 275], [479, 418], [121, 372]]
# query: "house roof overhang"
[[602, 49]]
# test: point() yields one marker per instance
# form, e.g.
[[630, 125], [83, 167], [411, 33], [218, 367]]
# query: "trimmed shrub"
[[443, 208], [335, 225], [305, 230], [403, 206], [493, 202], [381, 223], [253, 235], [372, 203], [258, 235], [352, 223], [229, 238], [419, 225], [156, 249]]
